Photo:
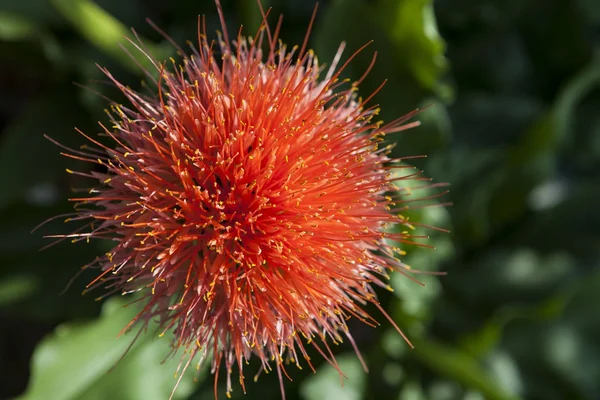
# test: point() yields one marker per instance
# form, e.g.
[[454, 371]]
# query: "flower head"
[[249, 200]]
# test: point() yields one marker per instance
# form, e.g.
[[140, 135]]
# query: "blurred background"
[[514, 127]]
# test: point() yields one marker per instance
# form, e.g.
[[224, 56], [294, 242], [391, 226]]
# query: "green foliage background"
[[514, 127]]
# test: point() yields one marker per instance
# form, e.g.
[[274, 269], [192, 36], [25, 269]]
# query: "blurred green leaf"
[[412, 27], [458, 365], [416, 298], [574, 92], [15, 288], [563, 348], [531, 161], [412, 391], [75, 362], [489, 336], [535, 157], [107, 33], [14, 27], [552, 129], [325, 384], [582, 311], [398, 60], [504, 369], [574, 211], [574, 340], [515, 275]]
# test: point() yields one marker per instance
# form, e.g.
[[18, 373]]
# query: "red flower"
[[250, 203]]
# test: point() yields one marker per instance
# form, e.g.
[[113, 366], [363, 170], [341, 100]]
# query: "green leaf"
[[582, 310], [504, 369], [558, 340], [535, 157], [458, 365], [106, 33], [75, 362], [566, 347], [416, 298], [15, 288], [503, 194], [412, 391], [413, 29], [574, 92], [411, 71], [14, 27], [484, 340], [325, 384], [573, 211], [506, 276]]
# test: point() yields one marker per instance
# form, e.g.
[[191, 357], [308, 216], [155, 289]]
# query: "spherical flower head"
[[250, 202]]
